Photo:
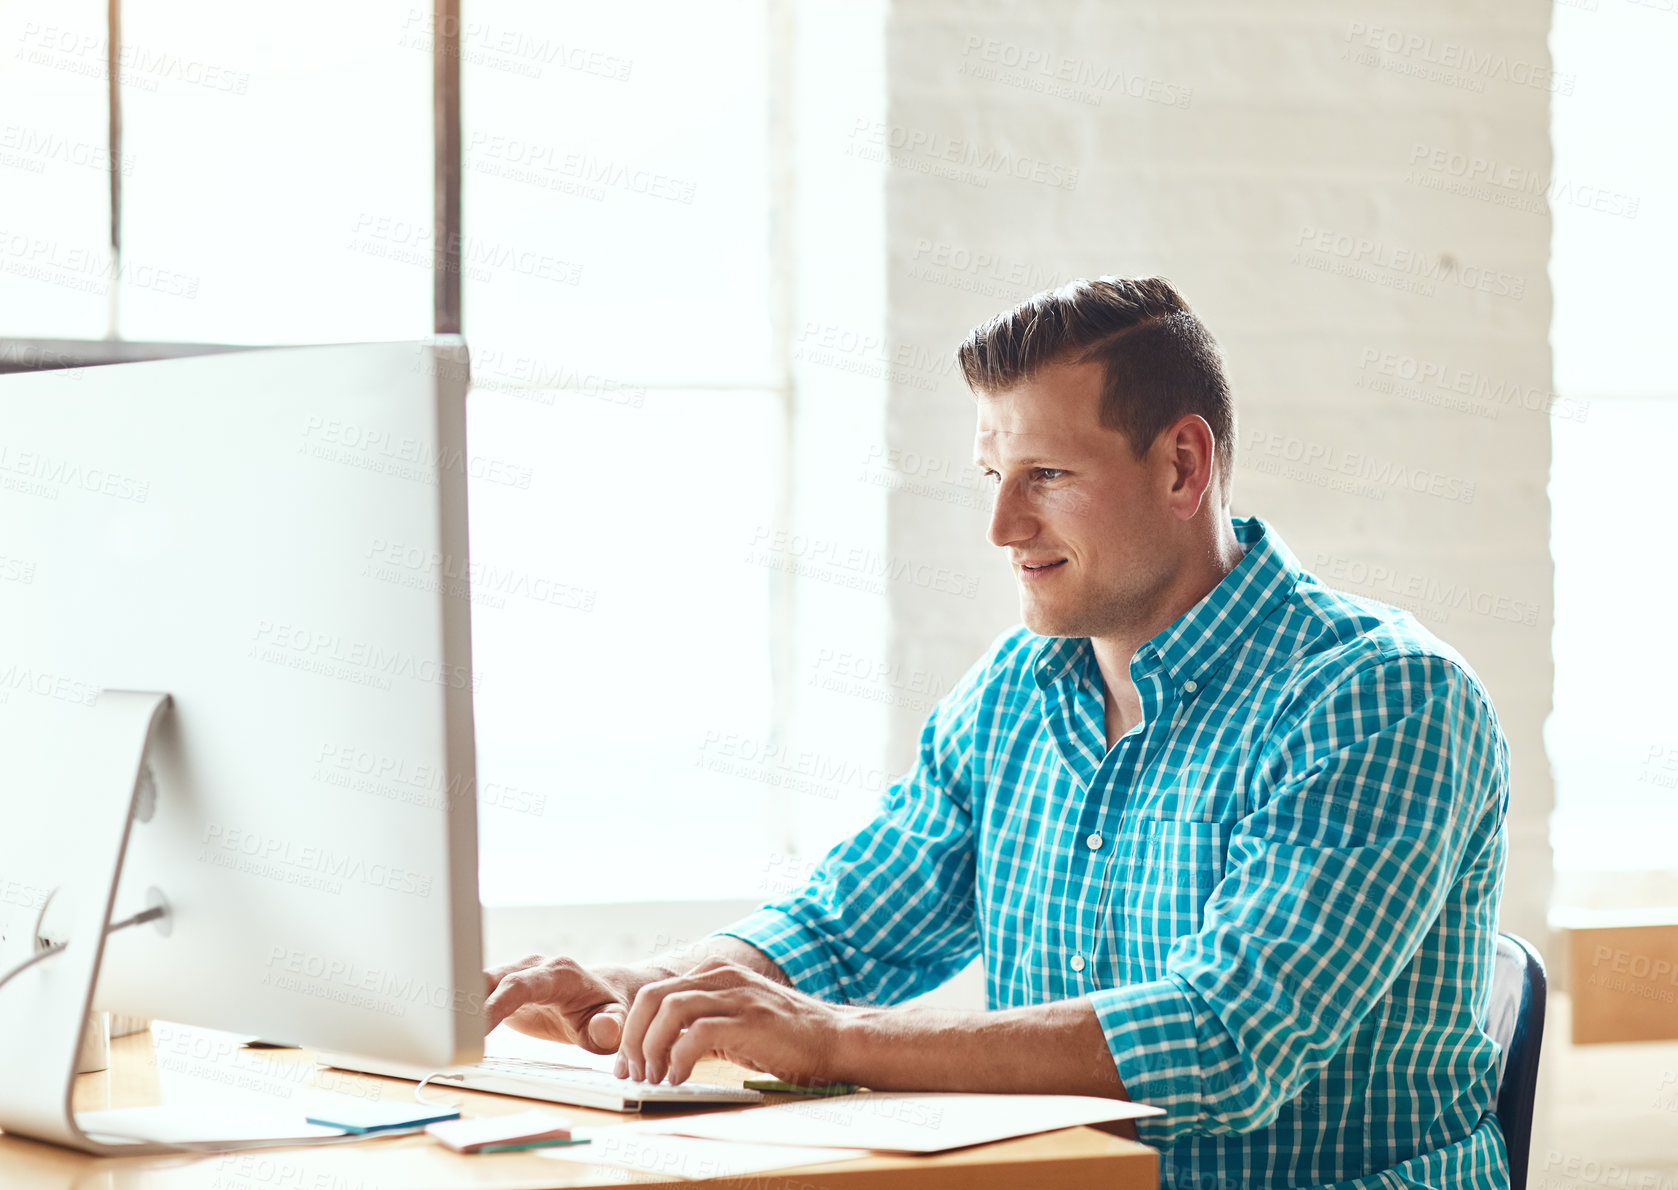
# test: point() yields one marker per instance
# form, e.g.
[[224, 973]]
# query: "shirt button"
[[1190, 686], [1077, 963], [1094, 841]]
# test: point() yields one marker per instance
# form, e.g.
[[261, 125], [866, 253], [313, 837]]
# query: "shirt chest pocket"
[[1172, 869]]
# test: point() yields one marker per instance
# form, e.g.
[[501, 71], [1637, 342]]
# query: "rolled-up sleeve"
[[890, 912], [1363, 810]]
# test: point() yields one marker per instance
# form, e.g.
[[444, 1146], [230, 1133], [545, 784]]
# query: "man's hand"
[[664, 1017], [559, 1000], [721, 1007]]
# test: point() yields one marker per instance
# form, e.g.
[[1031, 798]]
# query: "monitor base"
[[44, 1009]]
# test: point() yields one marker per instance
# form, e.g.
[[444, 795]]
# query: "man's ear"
[[1189, 453]]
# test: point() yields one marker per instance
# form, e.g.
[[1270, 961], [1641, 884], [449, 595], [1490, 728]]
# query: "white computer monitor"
[[277, 539]]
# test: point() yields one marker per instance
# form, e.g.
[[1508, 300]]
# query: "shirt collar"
[[1196, 643]]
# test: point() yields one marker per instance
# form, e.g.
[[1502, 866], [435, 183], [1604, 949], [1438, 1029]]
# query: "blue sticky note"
[[382, 1117]]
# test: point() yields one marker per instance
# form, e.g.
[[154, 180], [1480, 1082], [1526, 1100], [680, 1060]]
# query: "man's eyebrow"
[[979, 461]]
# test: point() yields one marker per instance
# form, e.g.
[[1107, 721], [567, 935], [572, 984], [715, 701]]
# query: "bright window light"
[[1613, 738]]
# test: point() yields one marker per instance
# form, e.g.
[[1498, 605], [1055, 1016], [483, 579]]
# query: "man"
[[1229, 842]]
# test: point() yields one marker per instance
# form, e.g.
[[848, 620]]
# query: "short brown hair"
[[1160, 362]]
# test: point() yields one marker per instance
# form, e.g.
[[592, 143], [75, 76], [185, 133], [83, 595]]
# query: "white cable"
[[52, 948], [30, 962], [431, 1102]]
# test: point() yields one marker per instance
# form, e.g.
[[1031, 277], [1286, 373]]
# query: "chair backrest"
[[1516, 1023]]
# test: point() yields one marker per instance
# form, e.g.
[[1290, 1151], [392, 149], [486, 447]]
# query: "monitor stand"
[[44, 1009]]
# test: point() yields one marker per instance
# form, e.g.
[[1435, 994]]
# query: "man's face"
[[1084, 523]]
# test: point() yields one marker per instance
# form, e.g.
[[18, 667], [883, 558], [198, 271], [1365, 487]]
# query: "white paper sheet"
[[687, 1158], [201, 1124], [900, 1122]]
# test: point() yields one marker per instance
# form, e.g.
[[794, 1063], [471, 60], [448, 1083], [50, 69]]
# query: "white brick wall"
[[1245, 151]]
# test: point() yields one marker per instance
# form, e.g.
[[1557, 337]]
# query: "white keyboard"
[[551, 1081]]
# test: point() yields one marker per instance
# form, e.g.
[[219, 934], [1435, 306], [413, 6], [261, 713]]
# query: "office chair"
[[1516, 1023]]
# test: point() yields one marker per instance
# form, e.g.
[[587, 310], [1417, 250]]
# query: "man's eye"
[[1049, 473]]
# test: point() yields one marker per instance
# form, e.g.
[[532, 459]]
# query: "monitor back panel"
[[277, 539]]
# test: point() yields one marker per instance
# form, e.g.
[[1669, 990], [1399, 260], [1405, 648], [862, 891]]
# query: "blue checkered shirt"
[[1279, 891]]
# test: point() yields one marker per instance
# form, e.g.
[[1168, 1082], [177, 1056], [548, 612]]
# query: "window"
[[1613, 738], [54, 173], [616, 278], [630, 222]]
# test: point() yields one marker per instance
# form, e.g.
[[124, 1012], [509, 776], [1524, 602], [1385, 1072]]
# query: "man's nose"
[[1011, 518]]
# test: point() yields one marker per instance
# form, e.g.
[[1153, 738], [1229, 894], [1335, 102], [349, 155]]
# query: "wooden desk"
[[139, 1074]]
